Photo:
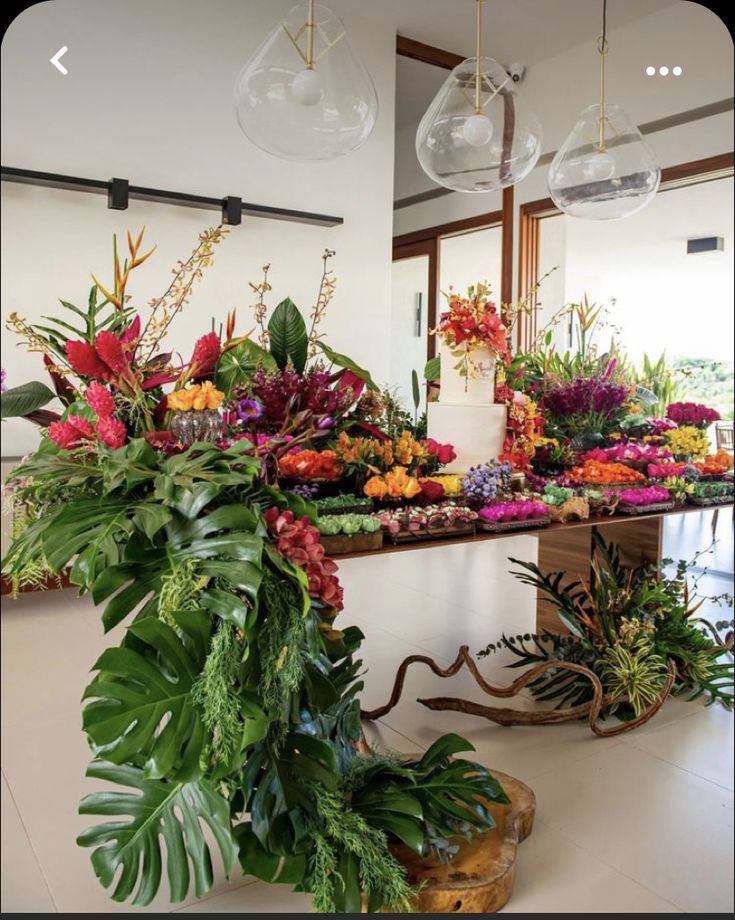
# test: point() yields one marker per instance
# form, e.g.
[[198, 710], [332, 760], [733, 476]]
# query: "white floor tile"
[[554, 876], [702, 745], [24, 888], [657, 824]]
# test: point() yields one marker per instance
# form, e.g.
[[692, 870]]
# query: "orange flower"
[[400, 484], [375, 487]]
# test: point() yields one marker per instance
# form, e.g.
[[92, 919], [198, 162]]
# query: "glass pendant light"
[[478, 135], [304, 95], [604, 170]]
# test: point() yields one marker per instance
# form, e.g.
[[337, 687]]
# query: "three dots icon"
[[664, 71]]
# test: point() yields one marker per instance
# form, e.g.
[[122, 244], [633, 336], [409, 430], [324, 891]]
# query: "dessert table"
[[563, 547]]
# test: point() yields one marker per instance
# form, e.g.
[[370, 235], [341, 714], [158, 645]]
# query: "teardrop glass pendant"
[[604, 174], [471, 144], [304, 95]]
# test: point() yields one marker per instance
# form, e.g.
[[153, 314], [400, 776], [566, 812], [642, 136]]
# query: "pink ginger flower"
[[71, 432], [111, 431], [100, 400]]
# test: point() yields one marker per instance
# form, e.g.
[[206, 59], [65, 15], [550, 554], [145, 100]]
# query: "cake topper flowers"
[[471, 323]]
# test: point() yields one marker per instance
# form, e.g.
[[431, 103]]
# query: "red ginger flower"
[[111, 350], [100, 400], [71, 432], [111, 431], [85, 361], [205, 354]]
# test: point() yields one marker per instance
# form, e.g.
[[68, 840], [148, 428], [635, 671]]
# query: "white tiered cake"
[[465, 414]]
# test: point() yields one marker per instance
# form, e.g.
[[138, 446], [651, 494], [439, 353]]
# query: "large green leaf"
[[343, 361], [236, 366], [172, 812], [142, 703], [28, 397], [224, 541], [432, 369], [288, 336]]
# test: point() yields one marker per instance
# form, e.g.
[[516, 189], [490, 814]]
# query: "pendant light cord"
[[602, 48], [478, 52], [310, 37]]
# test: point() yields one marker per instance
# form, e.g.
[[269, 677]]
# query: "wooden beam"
[[478, 222], [506, 264], [427, 54]]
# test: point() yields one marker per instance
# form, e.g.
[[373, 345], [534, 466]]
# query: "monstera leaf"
[[223, 541], [159, 811], [142, 703], [288, 336], [237, 365], [25, 399]]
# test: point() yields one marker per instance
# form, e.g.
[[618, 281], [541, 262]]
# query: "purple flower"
[[326, 422], [249, 410], [3, 375]]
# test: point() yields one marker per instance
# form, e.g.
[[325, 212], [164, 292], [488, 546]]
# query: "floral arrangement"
[[525, 428], [662, 470], [716, 490], [550, 452], [483, 483], [631, 644], [687, 442], [359, 453], [689, 413], [716, 464], [395, 484], [349, 524], [341, 504], [311, 464], [474, 321], [556, 495], [678, 487], [470, 323], [605, 473], [451, 483], [649, 495], [628, 452], [521, 510], [584, 405], [232, 701], [430, 518]]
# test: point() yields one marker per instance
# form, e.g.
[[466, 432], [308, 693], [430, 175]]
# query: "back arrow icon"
[[55, 60]]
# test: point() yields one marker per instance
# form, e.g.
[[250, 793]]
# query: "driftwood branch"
[[590, 710]]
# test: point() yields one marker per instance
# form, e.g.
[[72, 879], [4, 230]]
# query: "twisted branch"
[[591, 709]]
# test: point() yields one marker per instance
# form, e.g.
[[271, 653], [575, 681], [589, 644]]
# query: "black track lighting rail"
[[119, 193]]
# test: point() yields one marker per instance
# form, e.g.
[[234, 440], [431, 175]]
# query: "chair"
[[724, 435]]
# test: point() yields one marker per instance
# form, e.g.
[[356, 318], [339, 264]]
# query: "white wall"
[[148, 97], [559, 88]]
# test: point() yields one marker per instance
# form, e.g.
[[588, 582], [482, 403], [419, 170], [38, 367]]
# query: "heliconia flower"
[[131, 334], [249, 410], [110, 350], [111, 431], [351, 380], [71, 432], [100, 399], [85, 361], [205, 354]]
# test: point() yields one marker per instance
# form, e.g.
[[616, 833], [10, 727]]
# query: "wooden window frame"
[[531, 214]]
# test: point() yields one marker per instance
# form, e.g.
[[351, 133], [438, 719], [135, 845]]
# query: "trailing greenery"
[[231, 704], [625, 624]]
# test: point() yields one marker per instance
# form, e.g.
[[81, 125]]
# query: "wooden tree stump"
[[479, 880]]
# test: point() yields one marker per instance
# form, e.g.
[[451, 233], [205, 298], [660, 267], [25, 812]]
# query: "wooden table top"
[[482, 537]]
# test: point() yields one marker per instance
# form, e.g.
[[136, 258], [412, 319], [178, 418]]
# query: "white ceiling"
[[524, 31]]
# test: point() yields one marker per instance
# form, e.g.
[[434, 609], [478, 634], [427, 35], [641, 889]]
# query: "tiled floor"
[[639, 823]]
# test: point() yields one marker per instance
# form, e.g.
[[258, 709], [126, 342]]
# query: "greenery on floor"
[[625, 625]]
